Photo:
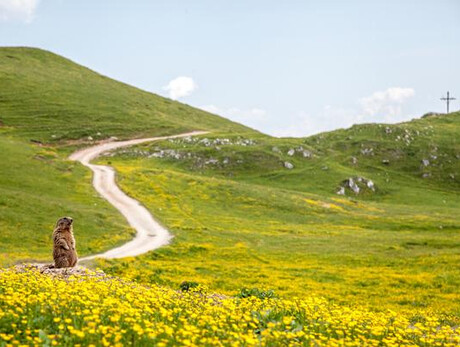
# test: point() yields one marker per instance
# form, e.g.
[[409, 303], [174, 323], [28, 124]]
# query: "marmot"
[[64, 252]]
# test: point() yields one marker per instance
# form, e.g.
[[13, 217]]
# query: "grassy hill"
[[48, 107], [49, 98], [247, 210], [243, 219]]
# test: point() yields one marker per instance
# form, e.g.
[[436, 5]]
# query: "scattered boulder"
[[291, 152], [276, 149], [212, 161], [354, 160], [357, 185], [307, 154], [425, 162], [367, 151], [90, 138], [431, 114], [385, 162], [46, 269], [388, 130], [288, 165]]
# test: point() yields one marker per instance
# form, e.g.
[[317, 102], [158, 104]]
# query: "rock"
[[370, 185], [341, 191], [291, 152], [388, 130], [353, 186], [434, 157], [426, 175], [325, 167], [98, 133], [354, 160], [307, 154], [367, 151], [357, 185], [226, 161], [288, 165], [385, 162], [46, 269], [425, 162], [276, 149], [452, 176], [90, 138], [431, 114], [212, 161]]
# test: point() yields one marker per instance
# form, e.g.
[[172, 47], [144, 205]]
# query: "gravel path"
[[150, 234]]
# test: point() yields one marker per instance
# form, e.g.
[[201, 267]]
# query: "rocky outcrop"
[[356, 185]]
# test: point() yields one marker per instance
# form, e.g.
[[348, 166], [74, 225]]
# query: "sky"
[[286, 68]]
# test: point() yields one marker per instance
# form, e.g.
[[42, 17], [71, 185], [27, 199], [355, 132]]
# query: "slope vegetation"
[[243, 217], [49, 98], [48, 107]]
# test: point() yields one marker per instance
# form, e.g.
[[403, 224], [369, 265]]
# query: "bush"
[[261, 294], [187, 285]]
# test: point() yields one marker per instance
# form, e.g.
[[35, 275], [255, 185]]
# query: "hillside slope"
[[49, 106], [242, 217], [49, 98]]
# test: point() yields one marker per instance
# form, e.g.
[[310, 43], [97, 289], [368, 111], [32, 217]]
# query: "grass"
[[92, 311], [37, 185], [50, 106], [48, 98], [253, 223], [242, 221]]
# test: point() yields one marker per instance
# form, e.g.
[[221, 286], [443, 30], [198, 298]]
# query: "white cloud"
[[304, 124], [385, 105], [252, 117], [382, 106], [17, 10], [180, 87]]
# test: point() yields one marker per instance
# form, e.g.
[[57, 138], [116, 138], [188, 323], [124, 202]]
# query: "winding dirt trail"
[[150, 234]]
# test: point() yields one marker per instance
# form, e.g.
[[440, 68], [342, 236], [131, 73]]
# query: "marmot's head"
[[64, 223]]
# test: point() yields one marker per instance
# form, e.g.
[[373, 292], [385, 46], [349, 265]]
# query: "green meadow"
[[242, 219], [49, 107], [245, 209]]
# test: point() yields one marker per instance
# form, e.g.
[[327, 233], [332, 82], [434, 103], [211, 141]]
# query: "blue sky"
[[287, 68]]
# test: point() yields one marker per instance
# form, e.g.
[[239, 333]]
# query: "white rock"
[[425, 162], [341, 191], [288, 165], [370, 185], [306, 154], [367, 151], [291, 152]]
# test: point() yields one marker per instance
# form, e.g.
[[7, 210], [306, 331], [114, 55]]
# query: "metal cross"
[[447, 100]]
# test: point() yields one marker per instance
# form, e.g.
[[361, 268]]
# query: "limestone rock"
[[288, 165]]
